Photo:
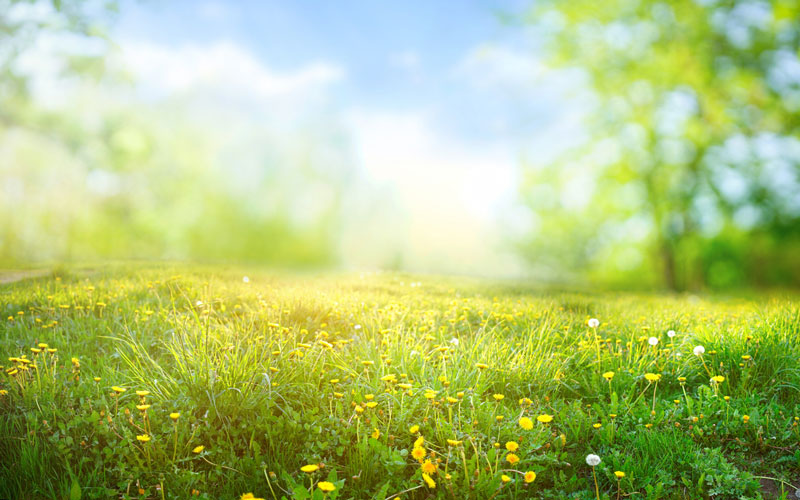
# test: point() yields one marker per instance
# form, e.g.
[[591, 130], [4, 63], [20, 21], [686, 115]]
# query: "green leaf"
[[75, 491]]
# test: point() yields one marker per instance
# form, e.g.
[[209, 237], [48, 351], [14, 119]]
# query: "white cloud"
[[222, 65]]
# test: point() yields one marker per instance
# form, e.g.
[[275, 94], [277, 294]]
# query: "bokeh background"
[[628, 143]]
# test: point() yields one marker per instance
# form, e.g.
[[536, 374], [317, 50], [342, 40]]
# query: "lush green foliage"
[[273, 373], [104, 172], [688, 175]]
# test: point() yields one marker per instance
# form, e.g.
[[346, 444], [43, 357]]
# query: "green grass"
[[249, 366]]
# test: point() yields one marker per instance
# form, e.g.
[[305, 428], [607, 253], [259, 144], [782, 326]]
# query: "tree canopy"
[[690, 164]]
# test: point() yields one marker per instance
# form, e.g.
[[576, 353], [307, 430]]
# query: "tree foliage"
[[689, 174]]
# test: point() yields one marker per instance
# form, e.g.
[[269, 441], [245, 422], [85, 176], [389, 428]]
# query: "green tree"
[[690, 163]]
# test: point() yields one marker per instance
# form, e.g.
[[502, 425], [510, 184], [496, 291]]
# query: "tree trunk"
[[668, 265]]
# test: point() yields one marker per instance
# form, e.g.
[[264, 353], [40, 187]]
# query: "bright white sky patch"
[[450, 194]]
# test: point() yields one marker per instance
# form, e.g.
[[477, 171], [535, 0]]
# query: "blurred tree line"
[[688, 175], [88, 169]]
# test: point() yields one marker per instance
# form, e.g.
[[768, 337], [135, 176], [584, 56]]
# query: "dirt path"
[[10, 275]]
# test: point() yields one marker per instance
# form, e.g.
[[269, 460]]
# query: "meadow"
[[155, 382]]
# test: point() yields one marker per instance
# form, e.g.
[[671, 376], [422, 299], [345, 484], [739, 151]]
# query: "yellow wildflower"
[[428, 467], [652, 377], [326, 486]]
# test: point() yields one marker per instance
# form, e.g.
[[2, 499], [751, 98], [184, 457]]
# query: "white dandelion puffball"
[[454, 341], [671, 333], [652, 341], [699, 350], [592, 460], [594, 323], [245, 279]]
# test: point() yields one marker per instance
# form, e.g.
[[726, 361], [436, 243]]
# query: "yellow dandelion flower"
[[453, 442], [718, 379], [376, 434], [512, 446], [428, 467], [310, 468], [143, 438], [419, 442], [530, 476], [326, 486], [246, 496], [174, 415], [414, 429], [429, 480], [118, 389], [608, 376], [418, 453], [512, 458], [526, 423], [505, 478], [619, 474], [198, 449], [545, 419], [652, 377]]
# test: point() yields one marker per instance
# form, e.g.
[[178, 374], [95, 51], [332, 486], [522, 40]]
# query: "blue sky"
[[438, 101], [396, 55], [369, 38]]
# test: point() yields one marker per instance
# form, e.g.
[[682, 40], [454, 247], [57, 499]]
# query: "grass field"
[[203, 383]]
